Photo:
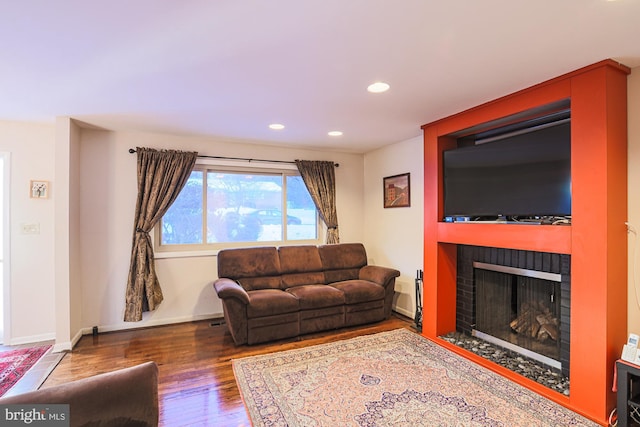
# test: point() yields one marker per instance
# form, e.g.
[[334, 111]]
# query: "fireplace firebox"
[[519, 309], [518, 300]]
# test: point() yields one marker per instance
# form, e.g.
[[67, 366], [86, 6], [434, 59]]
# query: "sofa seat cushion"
[[270, 302], [317, 296], [358, 291]]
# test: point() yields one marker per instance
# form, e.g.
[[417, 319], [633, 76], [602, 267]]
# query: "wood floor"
[[196, 382]]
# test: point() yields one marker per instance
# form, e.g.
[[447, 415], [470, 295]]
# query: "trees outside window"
[[220, 207]]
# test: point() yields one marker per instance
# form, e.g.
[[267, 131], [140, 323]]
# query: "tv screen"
[[522, 175]]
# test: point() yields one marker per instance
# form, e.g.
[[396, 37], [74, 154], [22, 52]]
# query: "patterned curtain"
[[161, 176], [320, 179]]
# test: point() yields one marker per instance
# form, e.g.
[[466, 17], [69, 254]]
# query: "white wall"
[[108, 191], [393, 236], [32, 292], [633, 114]]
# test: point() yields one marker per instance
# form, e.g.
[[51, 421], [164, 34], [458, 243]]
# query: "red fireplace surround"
[[596, 239]]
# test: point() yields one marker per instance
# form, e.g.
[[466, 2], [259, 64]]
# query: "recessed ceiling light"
[[335, 133], [378, 87], [276, 126]]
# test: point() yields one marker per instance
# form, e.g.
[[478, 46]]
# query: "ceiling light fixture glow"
[[276, 126], [378, 87], [335, 133]]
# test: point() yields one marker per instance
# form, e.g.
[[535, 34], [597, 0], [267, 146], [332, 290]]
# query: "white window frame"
[[211, 249]]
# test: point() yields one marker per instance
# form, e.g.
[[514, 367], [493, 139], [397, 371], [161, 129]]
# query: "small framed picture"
[[39, 189], [397, 191]]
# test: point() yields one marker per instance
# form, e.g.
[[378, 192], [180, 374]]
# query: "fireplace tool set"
[[418, 315]]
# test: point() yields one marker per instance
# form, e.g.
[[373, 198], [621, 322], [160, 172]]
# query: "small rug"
[[15, 363], [395, 378]]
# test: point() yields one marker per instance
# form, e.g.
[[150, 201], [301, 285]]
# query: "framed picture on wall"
[[39, 189], [397, 191]]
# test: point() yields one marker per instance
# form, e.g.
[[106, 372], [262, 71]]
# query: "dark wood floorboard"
[[196, 383]]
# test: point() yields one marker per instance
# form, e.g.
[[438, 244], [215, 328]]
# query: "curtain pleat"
[[319, 177], [161, 177]]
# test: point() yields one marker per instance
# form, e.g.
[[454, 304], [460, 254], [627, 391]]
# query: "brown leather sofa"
[[271, 293], [125, 398]]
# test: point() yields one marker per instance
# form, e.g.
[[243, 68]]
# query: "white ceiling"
[[228, 68]]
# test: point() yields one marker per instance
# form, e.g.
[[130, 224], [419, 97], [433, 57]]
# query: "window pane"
[[301, 211], [182, 224], [243, 207]]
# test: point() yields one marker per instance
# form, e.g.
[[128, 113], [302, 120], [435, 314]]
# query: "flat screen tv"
[[524, 174]]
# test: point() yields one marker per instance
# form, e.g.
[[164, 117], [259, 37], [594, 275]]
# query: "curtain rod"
[[131, 151]]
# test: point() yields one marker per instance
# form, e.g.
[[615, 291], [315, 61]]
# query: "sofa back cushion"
[[342, 261], [252, 268], [300, 265]]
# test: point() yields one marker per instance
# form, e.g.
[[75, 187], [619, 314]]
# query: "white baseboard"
[[33, 339], [149, 323], [60, 347], [67, 346], [404, 312]]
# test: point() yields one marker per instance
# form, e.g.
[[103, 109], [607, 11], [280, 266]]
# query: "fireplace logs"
[[537, 321]]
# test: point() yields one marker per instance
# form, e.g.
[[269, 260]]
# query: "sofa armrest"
[[385, 277], [124, 397], [234, 303], [227, 288], [377, 274]]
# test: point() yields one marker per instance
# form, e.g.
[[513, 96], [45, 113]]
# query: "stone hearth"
[[515, 362]]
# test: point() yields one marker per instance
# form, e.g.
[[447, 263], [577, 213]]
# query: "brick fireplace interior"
[[592, 249]]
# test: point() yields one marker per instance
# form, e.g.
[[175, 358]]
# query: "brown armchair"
[[124, 398]]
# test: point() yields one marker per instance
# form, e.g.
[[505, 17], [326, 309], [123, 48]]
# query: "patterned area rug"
[[395, 378], [15, 363]]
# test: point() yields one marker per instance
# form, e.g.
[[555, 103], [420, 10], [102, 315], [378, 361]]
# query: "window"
[[222, 207]]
